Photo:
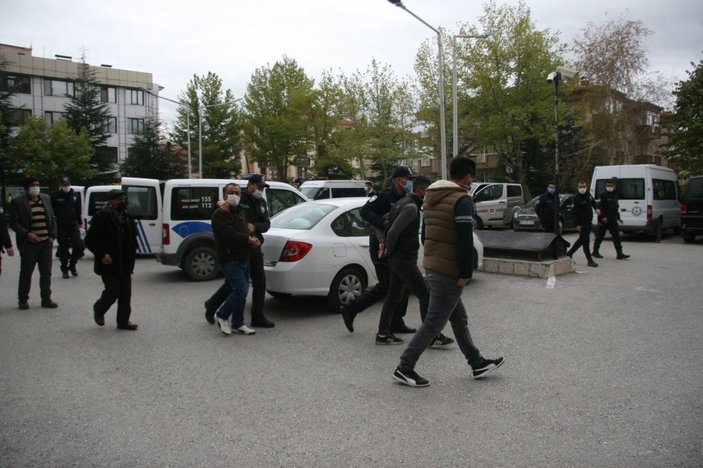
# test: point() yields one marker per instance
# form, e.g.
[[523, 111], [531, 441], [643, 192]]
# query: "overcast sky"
[[174, 39]]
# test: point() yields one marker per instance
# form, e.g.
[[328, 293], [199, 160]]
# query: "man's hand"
[[253, 242], [33, 238], [222, 204], [604, 220], [106, 260], [50, 239], [251, 228], [620, 221], [578, 228], [463, 281], [10, 251], [381, 249]]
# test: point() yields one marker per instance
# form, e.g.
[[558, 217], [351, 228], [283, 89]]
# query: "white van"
[[497, 202], [648, 196], [321, 189], [173, 217]]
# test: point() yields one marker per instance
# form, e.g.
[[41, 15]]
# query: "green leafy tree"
[[277, 113], [687, 122], [86, 113], [221, 126], [148, 158], [50, 151], [504, 101]]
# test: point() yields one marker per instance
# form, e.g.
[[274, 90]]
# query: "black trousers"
[[117, 288], [583, 240], [70, 246], [614, 232], [405, 276], [30, 256], [378, 292], [258, 286]]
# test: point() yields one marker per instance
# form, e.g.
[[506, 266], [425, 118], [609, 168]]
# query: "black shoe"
[[23, 305], [49, 304], [570, 254], [591, 263], [596, 255], [483, 367], [64, 274], [402, 328], [388, 340], [210, 315], [73, 270], [409, 378], [348, 317], [98, 317], [128, 326], [622, 256], [441, 342], [262, 322]]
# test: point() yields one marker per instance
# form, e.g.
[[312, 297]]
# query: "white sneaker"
[[244, 330], [224, 325]]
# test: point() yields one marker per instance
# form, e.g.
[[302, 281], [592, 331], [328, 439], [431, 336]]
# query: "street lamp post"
[[190, 172], [455, 112], [556, 79], [442, 117]]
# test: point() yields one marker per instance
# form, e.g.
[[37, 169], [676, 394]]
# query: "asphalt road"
[[602, 369]]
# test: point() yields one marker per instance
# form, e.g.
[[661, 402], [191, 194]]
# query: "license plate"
[[527, 223]]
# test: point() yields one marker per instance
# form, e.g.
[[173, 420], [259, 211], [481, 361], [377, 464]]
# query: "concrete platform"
[[530, 268]]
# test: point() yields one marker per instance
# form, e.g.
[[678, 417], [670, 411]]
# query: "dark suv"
[[692, 209]]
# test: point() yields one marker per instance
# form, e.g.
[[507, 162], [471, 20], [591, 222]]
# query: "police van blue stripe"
[[143, 242]]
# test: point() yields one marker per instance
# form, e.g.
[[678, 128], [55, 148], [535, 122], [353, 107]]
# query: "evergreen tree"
[[86, 113], [147, 158]]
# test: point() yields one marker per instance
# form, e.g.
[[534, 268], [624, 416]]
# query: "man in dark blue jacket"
[[67, 207], [584, 204], [608, 210]]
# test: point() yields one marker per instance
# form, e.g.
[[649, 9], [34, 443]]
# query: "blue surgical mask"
[[551, 190], [408, 187]]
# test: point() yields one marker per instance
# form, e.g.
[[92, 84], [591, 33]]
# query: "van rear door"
[[144, 203]]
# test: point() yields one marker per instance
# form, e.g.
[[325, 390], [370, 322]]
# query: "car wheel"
[[479, 222], [689, 237], [346, 286], [278, 295], [200, 264]]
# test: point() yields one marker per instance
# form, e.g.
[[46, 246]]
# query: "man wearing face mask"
[[67, 206], [608, 210], [32, 218], [235, 242], [254, 206], [112, 237], [546, 207], [584, 204]]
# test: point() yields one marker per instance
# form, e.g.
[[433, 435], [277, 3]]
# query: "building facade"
[[42, 87]]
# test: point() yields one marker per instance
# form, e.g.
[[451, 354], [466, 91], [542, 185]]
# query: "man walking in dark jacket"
[[584, 204], [608, 210], [547, 206], [112, 238], [67, 207]]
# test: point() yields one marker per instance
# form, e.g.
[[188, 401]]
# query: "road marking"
[[551, 281], [640, 288]]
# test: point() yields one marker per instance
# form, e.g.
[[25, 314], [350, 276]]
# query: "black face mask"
[[121, 207]]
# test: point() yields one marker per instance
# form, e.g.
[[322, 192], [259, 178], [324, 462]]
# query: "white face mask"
[[610, 189], [582, 191], [66, 188], [233, 200], [34, 191], [257, 194]]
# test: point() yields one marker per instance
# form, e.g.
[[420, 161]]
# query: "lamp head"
[[397, 3], [554, 76]]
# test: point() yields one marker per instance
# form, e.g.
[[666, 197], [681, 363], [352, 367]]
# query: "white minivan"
[[173, 218], [321, 189], [648, 196], [497, 202]]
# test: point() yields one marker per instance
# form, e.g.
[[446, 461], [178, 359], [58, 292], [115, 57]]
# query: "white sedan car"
[[321, 248]]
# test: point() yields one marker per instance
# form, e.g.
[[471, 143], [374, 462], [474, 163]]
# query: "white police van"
[[173, 218]]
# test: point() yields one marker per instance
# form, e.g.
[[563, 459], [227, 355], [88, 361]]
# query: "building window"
[[16, 84], [425, 161], [108, 94], [17, 117], [135, 126], [53, 117], [58, 88], [135, 97], [110, 125]]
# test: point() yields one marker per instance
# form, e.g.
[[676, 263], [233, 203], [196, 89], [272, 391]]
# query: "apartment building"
[[43, 86]]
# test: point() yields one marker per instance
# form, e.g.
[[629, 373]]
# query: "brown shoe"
[[127, 326]]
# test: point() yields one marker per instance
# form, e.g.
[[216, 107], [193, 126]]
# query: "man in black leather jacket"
[[608, 210]]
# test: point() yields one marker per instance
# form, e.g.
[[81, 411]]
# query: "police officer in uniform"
[[67, 208], [608, 210], [584, 204], [547, 206]]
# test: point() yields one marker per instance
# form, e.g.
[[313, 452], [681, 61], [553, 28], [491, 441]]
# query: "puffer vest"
[[440, 233]]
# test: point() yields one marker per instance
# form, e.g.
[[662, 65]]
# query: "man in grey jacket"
[[32, 218]]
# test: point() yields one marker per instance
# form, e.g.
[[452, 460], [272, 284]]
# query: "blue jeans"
[[237, 276], [445, 305]]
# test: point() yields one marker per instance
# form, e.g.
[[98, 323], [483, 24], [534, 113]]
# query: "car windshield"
[[303, 217]]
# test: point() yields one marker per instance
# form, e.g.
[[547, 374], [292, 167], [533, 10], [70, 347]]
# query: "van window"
[[278, 200], [141, 202], [514, 191], [348, 192], [664, 189], [627, 189], [96, 202], [694, 189], [491, 192], [193, 202], [313, 192], [350, 224]]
